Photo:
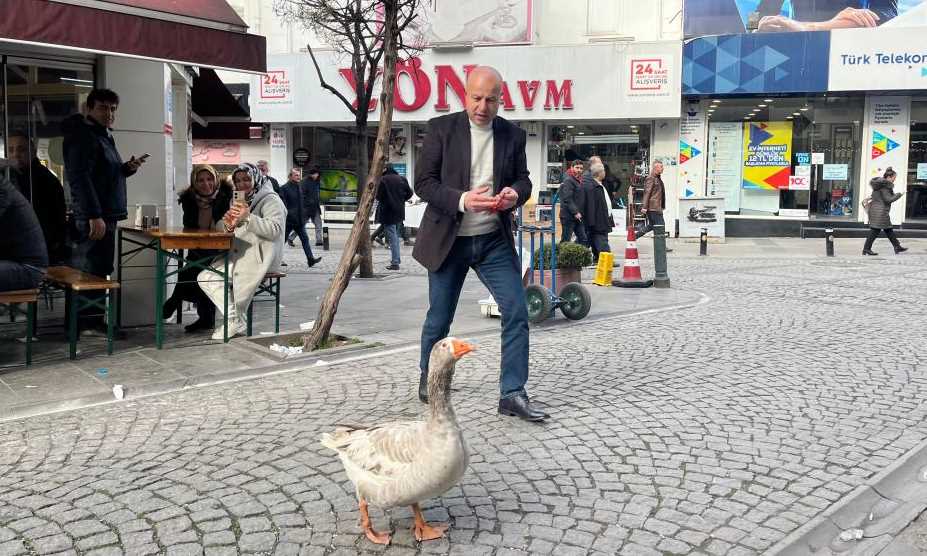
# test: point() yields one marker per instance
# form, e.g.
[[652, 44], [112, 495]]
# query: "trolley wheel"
[[539, 303], [576, 301]]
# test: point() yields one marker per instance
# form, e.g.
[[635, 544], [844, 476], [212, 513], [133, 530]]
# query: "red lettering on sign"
[[348, 76], [507, 103], [447, 76], [529, 92], [559, 98], [421, 85]]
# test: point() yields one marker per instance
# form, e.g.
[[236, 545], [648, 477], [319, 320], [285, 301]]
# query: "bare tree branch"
[[328, 87]]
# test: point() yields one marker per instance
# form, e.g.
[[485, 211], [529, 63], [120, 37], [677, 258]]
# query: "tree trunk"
[[350, 258], [364, 248]]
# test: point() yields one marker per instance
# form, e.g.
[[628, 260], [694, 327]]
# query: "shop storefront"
[[47, 69], [614, 101], [788, 128]]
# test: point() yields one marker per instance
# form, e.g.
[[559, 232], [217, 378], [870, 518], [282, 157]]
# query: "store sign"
[[216, 152], [275, 87], [882, 59], [767, 159], [278, 138], [888, 130], [649, 78], [803, 159], [799, 183], [692, 138], [817, 158], [540, 83]]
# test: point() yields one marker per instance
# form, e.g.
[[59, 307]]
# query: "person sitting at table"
[[204, 204], [258, 222], [23, 255]]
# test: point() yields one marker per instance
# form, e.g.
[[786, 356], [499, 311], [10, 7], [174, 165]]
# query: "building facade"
[[582, 78], [788, 114]]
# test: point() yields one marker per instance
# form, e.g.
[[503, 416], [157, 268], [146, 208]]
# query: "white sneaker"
[[236, 327]]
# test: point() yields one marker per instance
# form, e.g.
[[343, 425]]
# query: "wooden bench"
[[75, 284], [30, 298], [268, 290]]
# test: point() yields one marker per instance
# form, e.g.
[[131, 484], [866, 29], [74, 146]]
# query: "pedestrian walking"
[[312, 195], [265, 171], [878, 207], [654, 202], [293, 179], [571, 198], [597, 207], [97, 176], [292, 195], [203, 204], [392, 194], [468, 224]]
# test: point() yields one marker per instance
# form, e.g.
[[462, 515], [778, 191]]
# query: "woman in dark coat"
[[883, 195], [597, 211], [203, 204]]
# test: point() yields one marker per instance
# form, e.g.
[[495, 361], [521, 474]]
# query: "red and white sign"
[[649, 77], [799, 183], [275, 85]]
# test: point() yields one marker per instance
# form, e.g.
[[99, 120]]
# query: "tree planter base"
[[342, 345]]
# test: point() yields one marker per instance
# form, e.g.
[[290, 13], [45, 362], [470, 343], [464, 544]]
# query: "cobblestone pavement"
[[712, 430]]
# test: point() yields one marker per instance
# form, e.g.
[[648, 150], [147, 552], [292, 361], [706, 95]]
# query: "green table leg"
[[225, 300], [111, 310], [159, 298], [119, 272], [30, 322], [72, 323], [277, 306]]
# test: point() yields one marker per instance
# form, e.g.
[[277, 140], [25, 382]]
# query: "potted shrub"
[[571, 258]]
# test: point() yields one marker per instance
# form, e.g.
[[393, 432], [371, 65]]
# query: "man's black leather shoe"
[[423, 388], [520, 407]]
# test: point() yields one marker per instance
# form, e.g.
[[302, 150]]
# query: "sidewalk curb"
[[881, 507], [134, 393]]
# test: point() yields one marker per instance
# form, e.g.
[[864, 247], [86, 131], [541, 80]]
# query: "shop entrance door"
[[916, 204]]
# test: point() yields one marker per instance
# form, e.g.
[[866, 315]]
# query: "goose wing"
[[381, 451]]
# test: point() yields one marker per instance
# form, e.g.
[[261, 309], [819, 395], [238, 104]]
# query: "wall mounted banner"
[[887, 130], [882, 59], [692, 137], [725, 162], [767, 158]]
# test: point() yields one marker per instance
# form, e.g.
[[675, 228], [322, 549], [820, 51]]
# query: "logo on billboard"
[[648, 74], [882, 144], [275, 85], [687, 152]]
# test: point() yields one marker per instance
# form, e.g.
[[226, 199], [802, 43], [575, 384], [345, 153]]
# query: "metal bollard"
[[703, 242], [660, 276], [829, 241], [325, 238]]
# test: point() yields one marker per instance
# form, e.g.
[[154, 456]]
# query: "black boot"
[[423, 387], [520, 407], [869, 252], [900, 249], [169, 307]]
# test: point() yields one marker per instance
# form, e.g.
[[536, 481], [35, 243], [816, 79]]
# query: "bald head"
[[484, 92]]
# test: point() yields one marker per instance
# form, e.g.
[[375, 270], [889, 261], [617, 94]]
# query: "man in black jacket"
[[571, 198], [97, 176], [312, 199], [292, 178], [392, 194], [23, 259], [473, 173], [42, 189], [292, 195]]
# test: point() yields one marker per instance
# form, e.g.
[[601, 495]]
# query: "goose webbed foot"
[[372, 536], [424, 531]]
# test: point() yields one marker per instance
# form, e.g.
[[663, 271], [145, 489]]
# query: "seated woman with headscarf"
[[203, 204], [258, 223]]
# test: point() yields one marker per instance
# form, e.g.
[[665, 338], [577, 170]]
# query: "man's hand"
[[506, 198], [643, 211], [578, 216], [477, 200], [134, 164], [97, 229]]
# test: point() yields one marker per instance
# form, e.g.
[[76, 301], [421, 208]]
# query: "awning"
[[213, 102], [189, 32]]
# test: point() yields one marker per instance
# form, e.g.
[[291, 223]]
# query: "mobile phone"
[[144, 157], [238, 196]]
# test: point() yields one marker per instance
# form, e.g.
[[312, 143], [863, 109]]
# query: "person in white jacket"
[[258, 223]]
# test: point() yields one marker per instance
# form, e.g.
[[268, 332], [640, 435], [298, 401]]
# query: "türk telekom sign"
[[540, 83]]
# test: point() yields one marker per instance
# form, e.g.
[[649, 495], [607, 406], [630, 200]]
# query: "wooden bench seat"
[[30, 297], [74, 282]]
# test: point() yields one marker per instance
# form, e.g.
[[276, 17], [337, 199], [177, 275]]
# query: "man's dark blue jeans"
[[497, 267]]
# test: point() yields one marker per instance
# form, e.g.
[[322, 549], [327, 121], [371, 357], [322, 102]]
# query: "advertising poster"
[[888, 129], [839, 172], [723, 17], [650, 77], [276, 86], [767, 155], [480, 22], [692, 137], [338, 187], [725, 162], [696, 213]]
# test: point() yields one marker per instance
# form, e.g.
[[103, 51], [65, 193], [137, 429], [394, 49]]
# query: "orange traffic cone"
[[631, 269]]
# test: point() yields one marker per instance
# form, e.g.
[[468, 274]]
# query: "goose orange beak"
[[461, 348]]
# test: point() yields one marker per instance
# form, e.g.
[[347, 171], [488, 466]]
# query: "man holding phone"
[[97, 177]]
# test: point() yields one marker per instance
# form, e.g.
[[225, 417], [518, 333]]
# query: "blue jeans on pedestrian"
[[392, 235], [300, 231], [491, 256]]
